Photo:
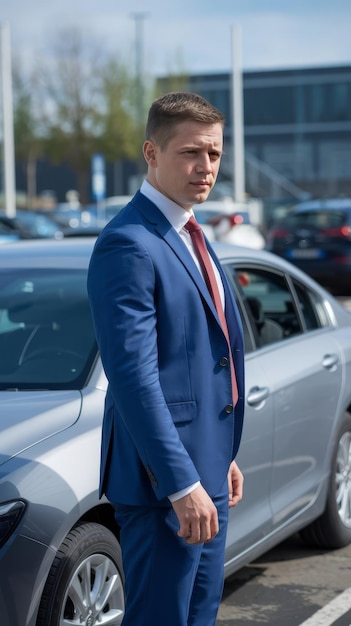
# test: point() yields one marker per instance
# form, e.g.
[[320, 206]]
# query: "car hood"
[[27, 417]]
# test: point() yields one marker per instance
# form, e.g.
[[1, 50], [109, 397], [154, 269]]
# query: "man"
[[171, 430]]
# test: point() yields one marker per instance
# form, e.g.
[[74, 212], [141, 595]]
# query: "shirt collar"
[[175, 214]]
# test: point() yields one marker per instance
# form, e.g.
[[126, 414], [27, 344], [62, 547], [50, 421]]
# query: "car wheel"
[[333, 528], [85, 584]]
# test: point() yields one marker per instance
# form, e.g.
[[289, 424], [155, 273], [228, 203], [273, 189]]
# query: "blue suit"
[[169, 419]]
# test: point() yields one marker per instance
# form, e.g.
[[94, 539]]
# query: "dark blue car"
[[316, 236]]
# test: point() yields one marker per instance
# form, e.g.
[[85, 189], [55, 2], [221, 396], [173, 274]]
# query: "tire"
[[85, 584], [333, 529]]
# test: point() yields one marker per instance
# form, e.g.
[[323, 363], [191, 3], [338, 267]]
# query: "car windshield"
[[47, 338], [317, 219], [36, 224]]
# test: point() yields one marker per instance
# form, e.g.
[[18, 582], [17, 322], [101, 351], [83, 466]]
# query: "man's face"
[[186, 169]]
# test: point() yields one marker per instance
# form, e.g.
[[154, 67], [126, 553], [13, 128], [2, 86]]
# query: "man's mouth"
[[201, 184]]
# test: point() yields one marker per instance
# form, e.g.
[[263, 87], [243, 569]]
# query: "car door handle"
[[256, 395], [330, 361]]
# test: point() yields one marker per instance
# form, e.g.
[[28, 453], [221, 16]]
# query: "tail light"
[[341, 231], [279, 233], [236, 219], [342, 260], [276, 233]]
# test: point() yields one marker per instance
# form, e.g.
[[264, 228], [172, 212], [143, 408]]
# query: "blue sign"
[[98, 176]]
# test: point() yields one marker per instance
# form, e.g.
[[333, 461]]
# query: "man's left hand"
[[235, 484]]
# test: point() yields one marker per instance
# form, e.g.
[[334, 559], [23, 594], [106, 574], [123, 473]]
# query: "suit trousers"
[[167, 581]]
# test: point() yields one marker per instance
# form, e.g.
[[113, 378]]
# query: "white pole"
[[7, 116], [237, 117]]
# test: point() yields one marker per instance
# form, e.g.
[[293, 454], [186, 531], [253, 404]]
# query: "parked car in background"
[[67, 217], [60, 561], [316, 236], [109, 207], [8, 232], [31, 225], [228, 222]]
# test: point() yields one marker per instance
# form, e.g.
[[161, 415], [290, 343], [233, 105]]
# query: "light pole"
[[237, 118], [139, 64], [7, 119]]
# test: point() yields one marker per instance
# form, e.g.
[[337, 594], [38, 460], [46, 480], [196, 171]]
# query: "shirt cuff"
[[183, 492]]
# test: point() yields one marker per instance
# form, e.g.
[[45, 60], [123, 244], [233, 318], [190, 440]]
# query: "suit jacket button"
[[223, 361], [229, 408]]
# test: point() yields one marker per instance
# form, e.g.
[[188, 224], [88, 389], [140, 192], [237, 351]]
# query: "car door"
[[250, 521], [302, 362], [305, 409]]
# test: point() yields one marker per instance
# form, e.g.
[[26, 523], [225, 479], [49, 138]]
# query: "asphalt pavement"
[[291, 585]]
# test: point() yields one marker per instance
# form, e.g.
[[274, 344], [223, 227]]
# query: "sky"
[[194, 36]]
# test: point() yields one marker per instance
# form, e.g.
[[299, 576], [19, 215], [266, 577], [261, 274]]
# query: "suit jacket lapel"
[[165, 229], [179, 248]]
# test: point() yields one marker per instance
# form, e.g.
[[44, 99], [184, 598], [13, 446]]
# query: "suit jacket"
[[167, 420]]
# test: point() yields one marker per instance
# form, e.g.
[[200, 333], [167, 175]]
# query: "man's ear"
[[150, 153]]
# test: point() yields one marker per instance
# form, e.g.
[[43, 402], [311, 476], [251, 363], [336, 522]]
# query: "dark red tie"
[[201, 251]]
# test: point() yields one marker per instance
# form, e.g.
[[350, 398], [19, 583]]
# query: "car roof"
[[76, 252], [48, 252], [323, 203], [253, 255]]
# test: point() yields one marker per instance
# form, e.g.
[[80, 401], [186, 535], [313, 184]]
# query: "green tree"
[[89, 107], [119, 133], [81, 101], [71, 93], [176, 78], [28, 143]]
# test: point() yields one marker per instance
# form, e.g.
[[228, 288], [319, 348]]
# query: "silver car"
[[60, 560]]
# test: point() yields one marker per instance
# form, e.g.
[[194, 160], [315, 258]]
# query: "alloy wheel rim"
[[94, 594], [343, 479]]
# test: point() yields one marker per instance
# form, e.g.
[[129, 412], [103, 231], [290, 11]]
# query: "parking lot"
[[291, 585], [52, 401]]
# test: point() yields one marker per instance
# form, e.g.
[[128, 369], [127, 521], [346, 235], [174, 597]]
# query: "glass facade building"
[[297, 128]]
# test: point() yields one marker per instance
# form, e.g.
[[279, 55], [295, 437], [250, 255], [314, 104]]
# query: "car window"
[[6, 229], [270, 304], [249, 339], [36, 224], [311, 306], [46, 333], [323, 219]]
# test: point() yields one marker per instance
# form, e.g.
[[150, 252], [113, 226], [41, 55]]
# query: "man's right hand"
[[197, 516]]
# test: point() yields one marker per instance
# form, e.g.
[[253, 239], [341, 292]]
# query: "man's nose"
[[204, 164]]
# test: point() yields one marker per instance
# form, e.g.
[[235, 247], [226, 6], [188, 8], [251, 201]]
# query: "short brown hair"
[[175, 107]]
